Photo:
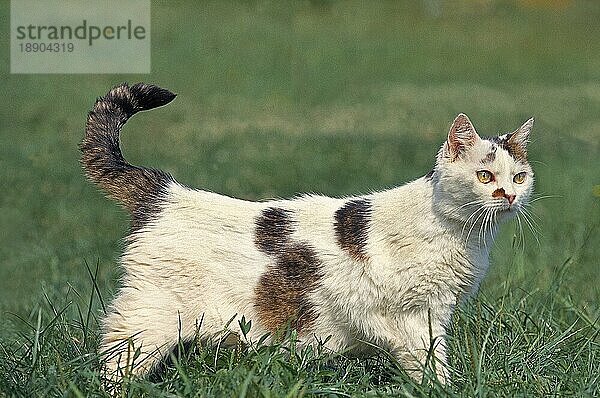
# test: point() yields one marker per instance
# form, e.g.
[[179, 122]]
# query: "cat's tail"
[[139, 189]]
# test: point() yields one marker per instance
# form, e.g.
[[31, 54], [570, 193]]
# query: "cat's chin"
[[508, 212]]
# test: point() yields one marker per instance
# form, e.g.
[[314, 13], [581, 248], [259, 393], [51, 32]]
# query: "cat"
[[385, 269]]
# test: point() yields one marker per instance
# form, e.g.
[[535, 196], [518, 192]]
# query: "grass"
[[329, 97], [498, 348]]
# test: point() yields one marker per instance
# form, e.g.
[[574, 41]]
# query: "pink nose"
[[510, 198]]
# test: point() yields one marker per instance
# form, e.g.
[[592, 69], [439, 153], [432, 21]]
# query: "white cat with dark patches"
[[384, 269]]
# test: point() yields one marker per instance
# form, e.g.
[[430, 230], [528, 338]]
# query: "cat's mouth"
[[506, 208]]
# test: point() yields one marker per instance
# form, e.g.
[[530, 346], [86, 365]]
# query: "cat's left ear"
[[461, 137], [517, 141]]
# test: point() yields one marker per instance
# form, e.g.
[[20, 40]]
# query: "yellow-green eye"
[[485, 176], [519, 178]]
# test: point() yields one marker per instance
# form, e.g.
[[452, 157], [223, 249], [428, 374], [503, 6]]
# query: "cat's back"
[[208, 229]]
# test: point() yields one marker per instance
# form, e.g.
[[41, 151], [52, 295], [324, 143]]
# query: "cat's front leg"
[[420, 344], [414, 359]]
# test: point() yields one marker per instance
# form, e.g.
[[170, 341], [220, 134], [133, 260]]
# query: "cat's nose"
[[510, 198]]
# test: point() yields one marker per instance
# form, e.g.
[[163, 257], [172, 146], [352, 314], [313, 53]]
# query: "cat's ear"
[[461, 137], [517, 141]]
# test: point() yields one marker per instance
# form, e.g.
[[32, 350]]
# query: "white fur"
[[197, 262]]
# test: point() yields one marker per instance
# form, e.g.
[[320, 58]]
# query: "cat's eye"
[[485, 176], [519, 178]]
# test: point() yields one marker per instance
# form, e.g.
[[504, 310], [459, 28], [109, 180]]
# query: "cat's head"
[[476, 179]]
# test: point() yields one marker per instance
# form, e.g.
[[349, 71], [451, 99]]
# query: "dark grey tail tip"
[[136, 98], [149, 96]]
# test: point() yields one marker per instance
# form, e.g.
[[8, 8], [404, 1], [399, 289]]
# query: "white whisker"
[[475, 223], [534, 231], [483, 228], [469, 218], [472, 203], [530, 212], [532, 217], [544, 197], [521, 236]]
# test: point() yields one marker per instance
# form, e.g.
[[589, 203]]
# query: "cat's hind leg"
[[142, 326]]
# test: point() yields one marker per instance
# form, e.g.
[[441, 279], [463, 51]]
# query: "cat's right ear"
[[461, 137]]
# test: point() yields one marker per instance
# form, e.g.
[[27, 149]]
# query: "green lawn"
[[322, 96]]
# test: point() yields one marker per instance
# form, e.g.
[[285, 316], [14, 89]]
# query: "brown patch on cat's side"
[[273, 230], [282, 293], [352, 226], [281, 296]]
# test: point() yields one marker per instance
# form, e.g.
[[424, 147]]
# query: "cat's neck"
[[411, 210]]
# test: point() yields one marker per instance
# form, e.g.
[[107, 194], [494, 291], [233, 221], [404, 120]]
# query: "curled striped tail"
[[139, 189]]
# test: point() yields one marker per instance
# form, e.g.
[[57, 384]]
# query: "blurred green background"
[[333, 97]]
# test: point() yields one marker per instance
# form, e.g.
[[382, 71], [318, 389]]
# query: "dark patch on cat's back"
[[282, 293], [352, 226], [273, 230]]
